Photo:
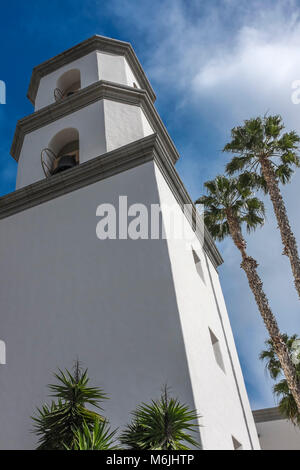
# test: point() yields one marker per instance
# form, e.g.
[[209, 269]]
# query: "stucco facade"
[[275, 432], [138, 313]]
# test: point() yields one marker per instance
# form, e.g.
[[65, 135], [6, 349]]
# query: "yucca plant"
[[164, 424], [98, 437], [268, 156], [286, 402], [56, 424]]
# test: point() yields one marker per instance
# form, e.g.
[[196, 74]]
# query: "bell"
[[64, 163]]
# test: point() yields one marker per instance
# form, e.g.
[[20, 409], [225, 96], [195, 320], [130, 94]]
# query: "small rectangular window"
[[217, 350], [198, 265], [236, 444]]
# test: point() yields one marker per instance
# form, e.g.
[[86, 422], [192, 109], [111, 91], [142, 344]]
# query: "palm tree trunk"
[[249, 265], [287, 236]]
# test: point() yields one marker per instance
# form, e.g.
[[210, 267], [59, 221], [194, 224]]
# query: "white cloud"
[[255, 77]]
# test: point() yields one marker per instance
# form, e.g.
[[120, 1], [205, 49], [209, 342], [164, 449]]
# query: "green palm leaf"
[[286, 402], [262, 136], [234, 195]]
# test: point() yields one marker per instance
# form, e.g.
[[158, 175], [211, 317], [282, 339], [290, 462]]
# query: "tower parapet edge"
[[95, 44]]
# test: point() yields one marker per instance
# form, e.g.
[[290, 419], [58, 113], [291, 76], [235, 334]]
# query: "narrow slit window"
[[217, 350], [236, 444], [198, 265]]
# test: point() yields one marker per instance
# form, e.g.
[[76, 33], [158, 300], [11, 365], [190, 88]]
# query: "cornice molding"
[[149, 148], [267, 414], [95, 43], [95, 92]]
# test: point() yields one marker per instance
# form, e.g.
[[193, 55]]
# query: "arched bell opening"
[[62, 152], [68, 84], [67, 158]]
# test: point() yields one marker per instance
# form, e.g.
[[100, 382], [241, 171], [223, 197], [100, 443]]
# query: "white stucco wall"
[[111, 67], [88, 66], [89, 122], [131, 78], [135, 312], [115, 68], [278, 435], [235, 358], [102, 126], [124, 123], [215, 392], [147, 129], [93, 67], [66, 294]]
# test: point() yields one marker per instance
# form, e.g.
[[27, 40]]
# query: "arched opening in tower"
[[67, 84], [65, 147]]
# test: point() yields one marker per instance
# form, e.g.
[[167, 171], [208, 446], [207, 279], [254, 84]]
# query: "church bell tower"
[[138, 312]]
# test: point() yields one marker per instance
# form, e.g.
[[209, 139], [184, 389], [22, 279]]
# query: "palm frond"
[[263, 138], [286, 402], [232, 195]]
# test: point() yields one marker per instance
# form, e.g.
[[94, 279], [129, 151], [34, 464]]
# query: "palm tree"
[[229, 205], [164, 424], [268, 156], [57, 422], [287, 405], [99, 437]]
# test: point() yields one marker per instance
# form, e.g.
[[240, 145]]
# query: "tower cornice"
[[144, 150], [95, 43], [267, 414], [95, 92]]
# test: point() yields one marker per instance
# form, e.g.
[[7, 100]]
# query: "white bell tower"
[[88, 101], [139, 313]]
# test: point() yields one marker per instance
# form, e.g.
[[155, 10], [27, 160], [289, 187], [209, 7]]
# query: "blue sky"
[[212, 64]]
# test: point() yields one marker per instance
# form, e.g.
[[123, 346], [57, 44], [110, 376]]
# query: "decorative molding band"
[[95, 92], [149, 148], [267, 414], [95, 43]]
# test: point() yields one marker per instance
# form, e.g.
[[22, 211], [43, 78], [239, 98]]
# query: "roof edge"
[[267, 414], [96, 42], [95, 92], [150, 148]]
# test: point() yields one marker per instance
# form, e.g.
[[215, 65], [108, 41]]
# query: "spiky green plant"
[[164, 424], [55, 424], [98, 437], [268, 156], [286, 402]]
